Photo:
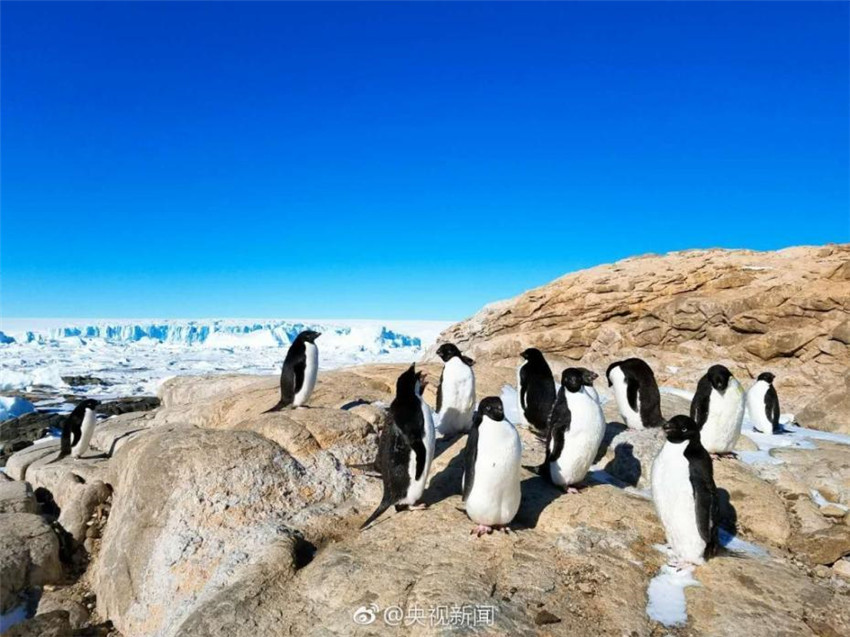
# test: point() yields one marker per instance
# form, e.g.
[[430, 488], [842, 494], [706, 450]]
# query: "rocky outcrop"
[[29, 556], [786, 311], [223, 520]]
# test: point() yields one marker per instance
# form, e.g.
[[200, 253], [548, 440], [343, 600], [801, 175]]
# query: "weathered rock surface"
[[29, 556], [17, 497], [784, 311], [19, 433]]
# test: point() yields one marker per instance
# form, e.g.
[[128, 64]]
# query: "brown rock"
[[29, 556], [825, 546], [52, 624], [17, 497]]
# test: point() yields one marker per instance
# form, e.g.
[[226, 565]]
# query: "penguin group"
[[568, 416]]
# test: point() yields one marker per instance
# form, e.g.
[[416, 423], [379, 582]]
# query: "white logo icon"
[[365, 615]]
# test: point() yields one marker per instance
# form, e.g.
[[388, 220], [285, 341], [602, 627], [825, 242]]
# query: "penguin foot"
[[574, 489], [481, 529], [417, 507], [726, 454]]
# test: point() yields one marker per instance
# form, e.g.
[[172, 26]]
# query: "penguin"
[[299, 371], [77, 429], [684, 493], [535, 390], [718, 410], [636, 392], [86, 429], [491, 472], [456, 391], [576, 428], [763, 405], [406, 447]]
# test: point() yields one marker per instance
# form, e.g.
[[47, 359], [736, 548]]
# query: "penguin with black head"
[[456, 391], [406, 447], [299, 371], [718, 410], [491, 475], [684, 493], [77, 429], [576, 428], [636, 392], [763, 405], [535, 390]]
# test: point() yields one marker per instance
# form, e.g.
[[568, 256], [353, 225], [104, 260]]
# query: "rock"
[[52, 624], [19, 433], [85, 381], [17, 497], [128, 405], [808, 516], [629, 453], [826, 469], [828, 410], [62, 599], [785, 310], [824, 546], [29, 556], [762, 598], [79, 501], [239, 517], [842, 568], [833, 511], [750, 504]]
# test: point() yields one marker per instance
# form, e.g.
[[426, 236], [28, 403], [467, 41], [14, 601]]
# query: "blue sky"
[[410, 160]]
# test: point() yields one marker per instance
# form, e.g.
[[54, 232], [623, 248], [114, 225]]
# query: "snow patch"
[[666, 595]]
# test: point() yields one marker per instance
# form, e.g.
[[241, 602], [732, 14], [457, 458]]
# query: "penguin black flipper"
[[699, 405], [467, 360], [771, 407], [71, 430], [559, 423], [540, 397], [393, 456], [440, 391], [470, 455], [523, 387], [705, 495]]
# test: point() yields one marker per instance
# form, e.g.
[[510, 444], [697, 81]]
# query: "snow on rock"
[[666, 595], [12, 407]]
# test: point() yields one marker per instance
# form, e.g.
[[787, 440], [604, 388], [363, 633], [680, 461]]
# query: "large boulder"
[[17, 497], [29, 556], [203, 510]]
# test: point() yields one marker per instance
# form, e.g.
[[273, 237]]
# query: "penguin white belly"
[[86, 432], [458, 397], [495, 495], [311, 371], [756, 407], [725, 415], [620, 387], [674, 501], [522, 417], [581, 442], [417, 487]]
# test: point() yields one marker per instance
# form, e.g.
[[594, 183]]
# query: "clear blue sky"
[[401, 160]]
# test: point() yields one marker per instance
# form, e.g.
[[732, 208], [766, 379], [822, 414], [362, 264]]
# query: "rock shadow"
[[446, 483], [727, 516], [625, 466], [537, 494], [612, 430]]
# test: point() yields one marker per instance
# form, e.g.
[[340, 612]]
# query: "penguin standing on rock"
[[406, 447], [456, 392], [684, 493], [491, 474], [535, 390], [718, 410], [77, 429], [636, 392], [763, 405], [576, 429], [300, 368]]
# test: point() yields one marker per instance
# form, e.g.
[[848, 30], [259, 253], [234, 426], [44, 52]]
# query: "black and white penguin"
[[763, 405], [718, 410], [491, 472], [456, 392], [406, 447], [300, 368], [78, 428], [576, 428], [684, 493], [535, 389], [636, 392]]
